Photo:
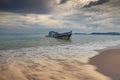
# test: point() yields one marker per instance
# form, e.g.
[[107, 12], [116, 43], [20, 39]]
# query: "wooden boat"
[[65, 36]]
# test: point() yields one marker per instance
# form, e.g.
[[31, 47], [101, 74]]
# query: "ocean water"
[[76, 15], [16, 41], [80, 47]]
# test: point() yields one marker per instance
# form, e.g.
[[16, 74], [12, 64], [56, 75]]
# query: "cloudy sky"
[[76, 15]]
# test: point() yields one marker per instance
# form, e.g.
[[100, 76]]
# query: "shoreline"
[[48, 69], [23, 67], [108, 62]]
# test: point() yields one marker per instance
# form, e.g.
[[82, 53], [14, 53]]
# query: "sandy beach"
[[102, 67], [48, 69], [108, 63]]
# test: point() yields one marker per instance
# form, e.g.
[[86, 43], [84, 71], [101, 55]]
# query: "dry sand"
[[108, 63]]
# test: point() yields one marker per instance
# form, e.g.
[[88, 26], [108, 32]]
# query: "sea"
[[80, 15], [39, 46]]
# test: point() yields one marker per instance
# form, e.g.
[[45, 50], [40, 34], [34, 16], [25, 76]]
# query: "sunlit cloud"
[[42, 21], [30, 20], [88, 19]]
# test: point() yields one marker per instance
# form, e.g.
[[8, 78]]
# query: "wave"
[[76, 52]]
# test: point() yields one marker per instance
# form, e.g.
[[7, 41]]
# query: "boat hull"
[[64, 36]]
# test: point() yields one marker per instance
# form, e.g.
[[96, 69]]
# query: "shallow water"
[[80, 47], [37, 40]]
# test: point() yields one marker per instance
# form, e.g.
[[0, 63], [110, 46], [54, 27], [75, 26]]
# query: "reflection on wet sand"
[[108, 63]]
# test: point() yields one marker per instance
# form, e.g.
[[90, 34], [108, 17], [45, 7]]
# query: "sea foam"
[[76, 52]]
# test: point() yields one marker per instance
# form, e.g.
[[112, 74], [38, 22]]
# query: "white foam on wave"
[[76, 52]]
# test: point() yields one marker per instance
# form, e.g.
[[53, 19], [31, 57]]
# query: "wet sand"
[[108, 63], [48, 69]]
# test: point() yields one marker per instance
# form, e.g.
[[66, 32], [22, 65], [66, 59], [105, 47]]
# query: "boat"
[[64, 36]]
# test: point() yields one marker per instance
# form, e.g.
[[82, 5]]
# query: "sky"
[[60, 15]]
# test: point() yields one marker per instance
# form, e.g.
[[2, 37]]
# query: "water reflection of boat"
[[65, 36]]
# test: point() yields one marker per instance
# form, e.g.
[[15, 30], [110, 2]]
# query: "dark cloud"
[[36, 6], [43, 6], [63, 1], [97, 3]]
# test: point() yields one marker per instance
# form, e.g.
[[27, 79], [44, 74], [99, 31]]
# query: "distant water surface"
[[15, 41]]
